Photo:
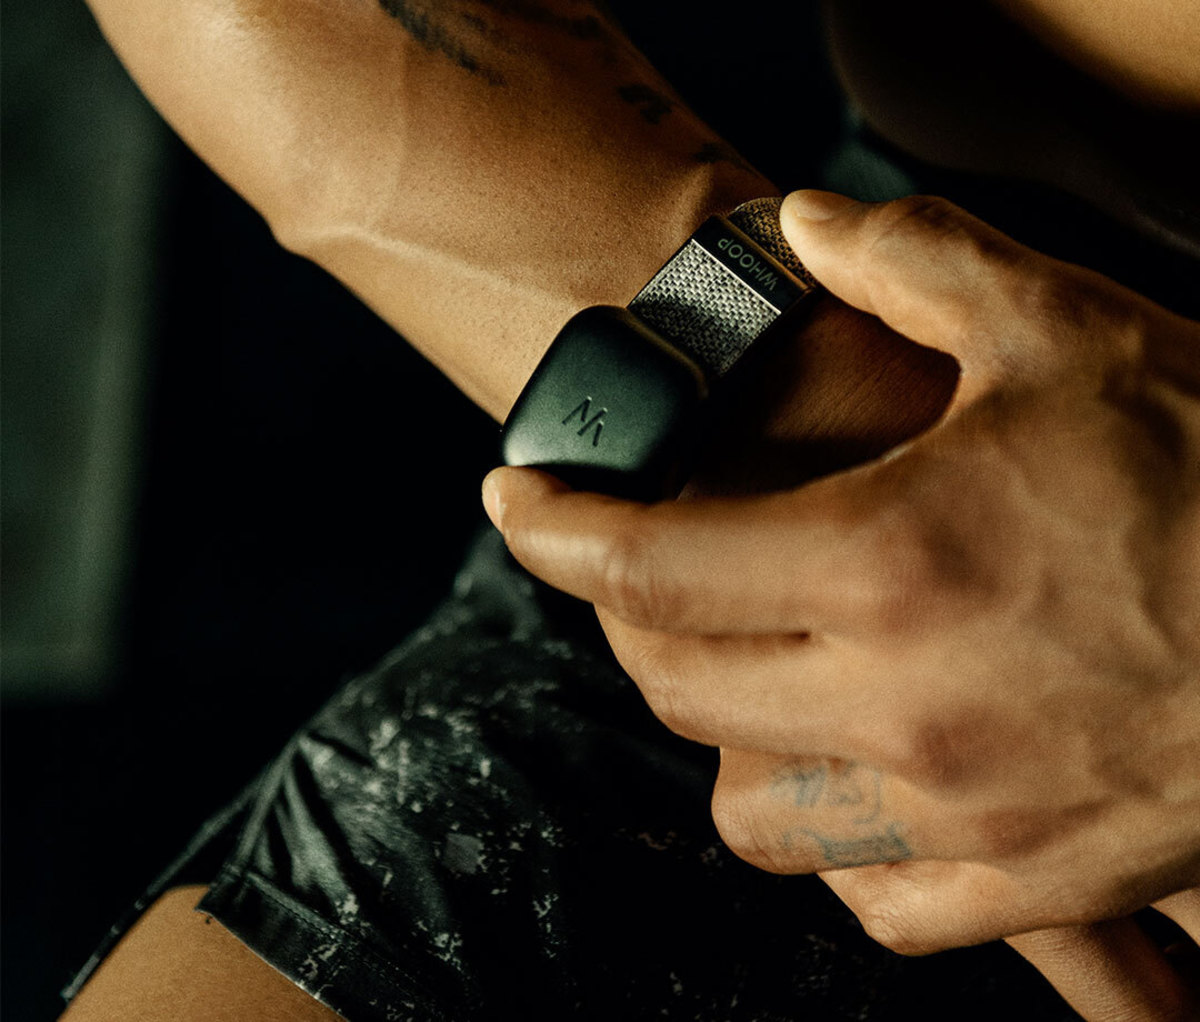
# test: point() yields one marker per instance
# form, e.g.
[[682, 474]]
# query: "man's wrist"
[[619, 399], [616, 245]]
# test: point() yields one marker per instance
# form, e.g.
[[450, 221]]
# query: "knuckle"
[[888, 924], [923, 215], [666, 686], [635, 588], [1009, 832], [894, 605], [1054, 307], [925, 566], [930, 752], [923, 211], [744, 833], [966, 245], [1051, 297], [945, 743], [907, 576], [1073, 310]]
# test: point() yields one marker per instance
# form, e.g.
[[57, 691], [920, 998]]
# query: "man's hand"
[[964, 677]]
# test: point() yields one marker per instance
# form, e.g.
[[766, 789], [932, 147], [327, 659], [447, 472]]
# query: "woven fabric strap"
[[729, 282]]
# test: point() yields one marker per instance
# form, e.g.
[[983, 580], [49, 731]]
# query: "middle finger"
[[783, 693]]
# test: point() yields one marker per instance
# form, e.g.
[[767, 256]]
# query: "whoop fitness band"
[[615, 405]]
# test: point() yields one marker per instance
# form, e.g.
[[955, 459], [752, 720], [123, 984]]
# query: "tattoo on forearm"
[[582, 26], [855, 793], [426, 23], [438, 27], [720, 152], [651, 104]]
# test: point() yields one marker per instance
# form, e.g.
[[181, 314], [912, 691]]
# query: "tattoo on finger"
[[832, 785], [887, 846], [850, 797]]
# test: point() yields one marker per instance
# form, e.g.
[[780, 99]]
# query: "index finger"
[[786, 562]]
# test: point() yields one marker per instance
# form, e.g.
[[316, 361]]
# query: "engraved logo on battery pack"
[[581, 413], [749, 263]]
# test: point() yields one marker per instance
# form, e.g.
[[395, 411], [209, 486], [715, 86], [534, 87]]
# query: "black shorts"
[[491, 825]]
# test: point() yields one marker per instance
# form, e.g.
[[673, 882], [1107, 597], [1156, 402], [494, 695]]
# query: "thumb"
[[932, 272]]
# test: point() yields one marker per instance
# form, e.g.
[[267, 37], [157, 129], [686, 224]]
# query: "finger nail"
[[492, 502], [815, 205]]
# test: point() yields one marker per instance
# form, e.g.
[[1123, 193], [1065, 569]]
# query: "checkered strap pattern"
[[728, 283]]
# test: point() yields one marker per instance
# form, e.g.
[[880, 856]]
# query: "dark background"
[[303, 484], [288, 486]]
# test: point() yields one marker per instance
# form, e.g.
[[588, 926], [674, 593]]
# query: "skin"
[[469, 169], [178, 965], [1143, 48]]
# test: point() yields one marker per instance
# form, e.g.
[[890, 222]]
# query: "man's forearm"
[[476, 171]]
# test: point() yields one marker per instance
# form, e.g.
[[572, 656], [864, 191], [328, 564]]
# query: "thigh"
[[180, 965]]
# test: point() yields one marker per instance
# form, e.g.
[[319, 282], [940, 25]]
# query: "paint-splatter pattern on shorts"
[[491, 825]]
